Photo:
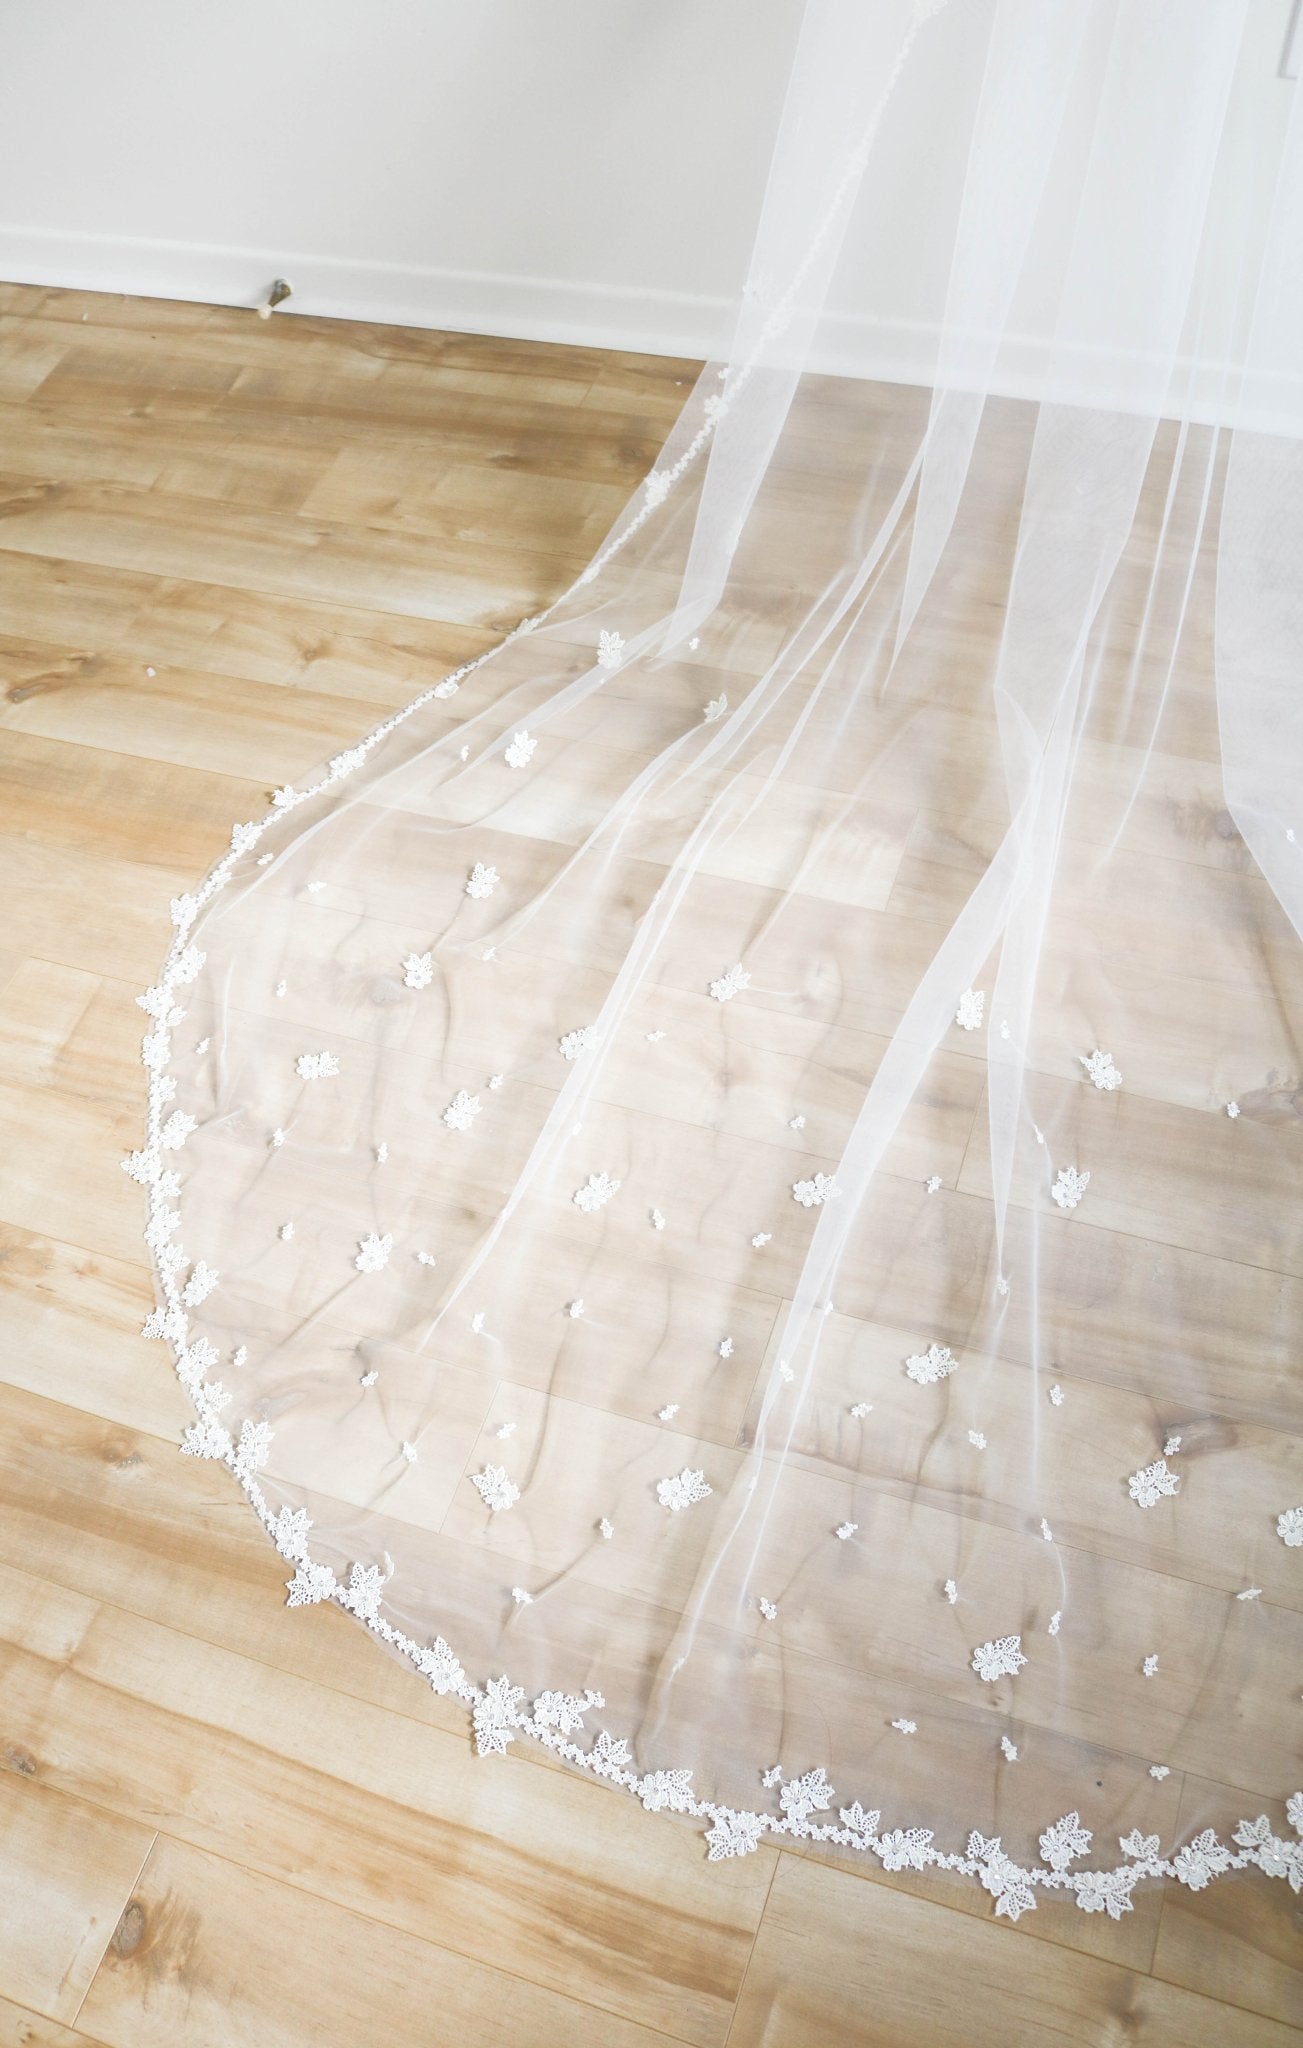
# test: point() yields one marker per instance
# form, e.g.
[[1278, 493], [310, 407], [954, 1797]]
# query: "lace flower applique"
[[927, 1367], [200, 1285], [578, 1041], [715, 709], [1069, 1188], [462, 1111], [373, 1253], [767, 1608], [1101, 1070], [418, 970], [730, 983], [1148, 1486], [683, 1490], [482, 881], [1289, 1528], [521, 751], [968, 1016], [610, 649], [596, 1192], [316, 1066], [812, 1194], [495, 1489], [1000, 1659]]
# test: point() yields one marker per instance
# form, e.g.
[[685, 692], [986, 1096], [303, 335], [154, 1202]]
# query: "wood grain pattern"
[[220, 1823]]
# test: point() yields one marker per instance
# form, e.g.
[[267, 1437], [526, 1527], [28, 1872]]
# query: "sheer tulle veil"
[[727, 1180]]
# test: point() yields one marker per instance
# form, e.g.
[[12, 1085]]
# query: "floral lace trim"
[[500, 1715]]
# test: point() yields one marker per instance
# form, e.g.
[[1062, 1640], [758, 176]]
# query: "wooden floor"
[[227, 547]]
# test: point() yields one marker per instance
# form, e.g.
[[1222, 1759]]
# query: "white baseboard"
[[611, 316], [395, 294]]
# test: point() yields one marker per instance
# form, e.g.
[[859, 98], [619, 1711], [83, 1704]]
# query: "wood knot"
[[20, 1760], [130, 1930]]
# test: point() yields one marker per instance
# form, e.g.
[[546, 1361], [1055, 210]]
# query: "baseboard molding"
[[616, 317]]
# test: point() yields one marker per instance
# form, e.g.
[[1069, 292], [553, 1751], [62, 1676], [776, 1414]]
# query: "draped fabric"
[[727, 1181]]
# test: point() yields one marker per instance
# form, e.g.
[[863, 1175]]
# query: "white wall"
[[584, 170], [574, 170]]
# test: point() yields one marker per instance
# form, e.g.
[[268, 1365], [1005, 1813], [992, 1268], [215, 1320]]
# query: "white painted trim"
[[607, 316]]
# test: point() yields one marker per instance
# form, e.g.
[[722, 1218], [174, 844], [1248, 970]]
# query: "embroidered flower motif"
[[496, 1715], [655, 1037], [767, 1608], [606, 1529], [277, 1139], [176, 1130], [1055, 1619], [495, 1080], [1148, 1486], [1063, 1842], [596, 1192], [1171, 1447], [316, 1066], [969, 1013], [1100, 1891], [730, 983], [1101, 1069], [761, 1238], [1150, 1667], [447, 688], [461, 1111], [845, 1530], [203, 1045], [668, 1412], [347, 762], [507, 1429], [290, 1533], [906, 1727], [1069, 1188], [200, 1285], [1159, 1771], [1201, 1860], [1250, 1593], [253, 1450], [609, 1755], [521, 750], [683, 1490], [1232, 1109], [667, 1790], [859, 1823], [579, 1041], [311, 1583], [286, 1232], [933, 1183], [951, 1591], [773, 1776], [438, 1664], [1136, 1844], [812, 1194], [495, 1489], [906, 1848], [726, 1347], [927, 1367], [657, 483], [806, 1795], [657, 1220], [610, 648], [733, 1834], [1056, 1396], [1008, 1885], [714, 709], [861, 1409], [977, 1440], [382, 1155], [373, 1253], [477, 1321], [1010, 1750], [785, 1371], [409, 1451], [206, 1439], [369, 1379], [426, 1259], [1289, 1528], [482, 881], [576, 1307], [1000, 1659], [418, 970], [240, 1355], [1046, 1532]]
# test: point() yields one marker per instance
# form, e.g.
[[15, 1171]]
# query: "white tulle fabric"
[[728, 1180]]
